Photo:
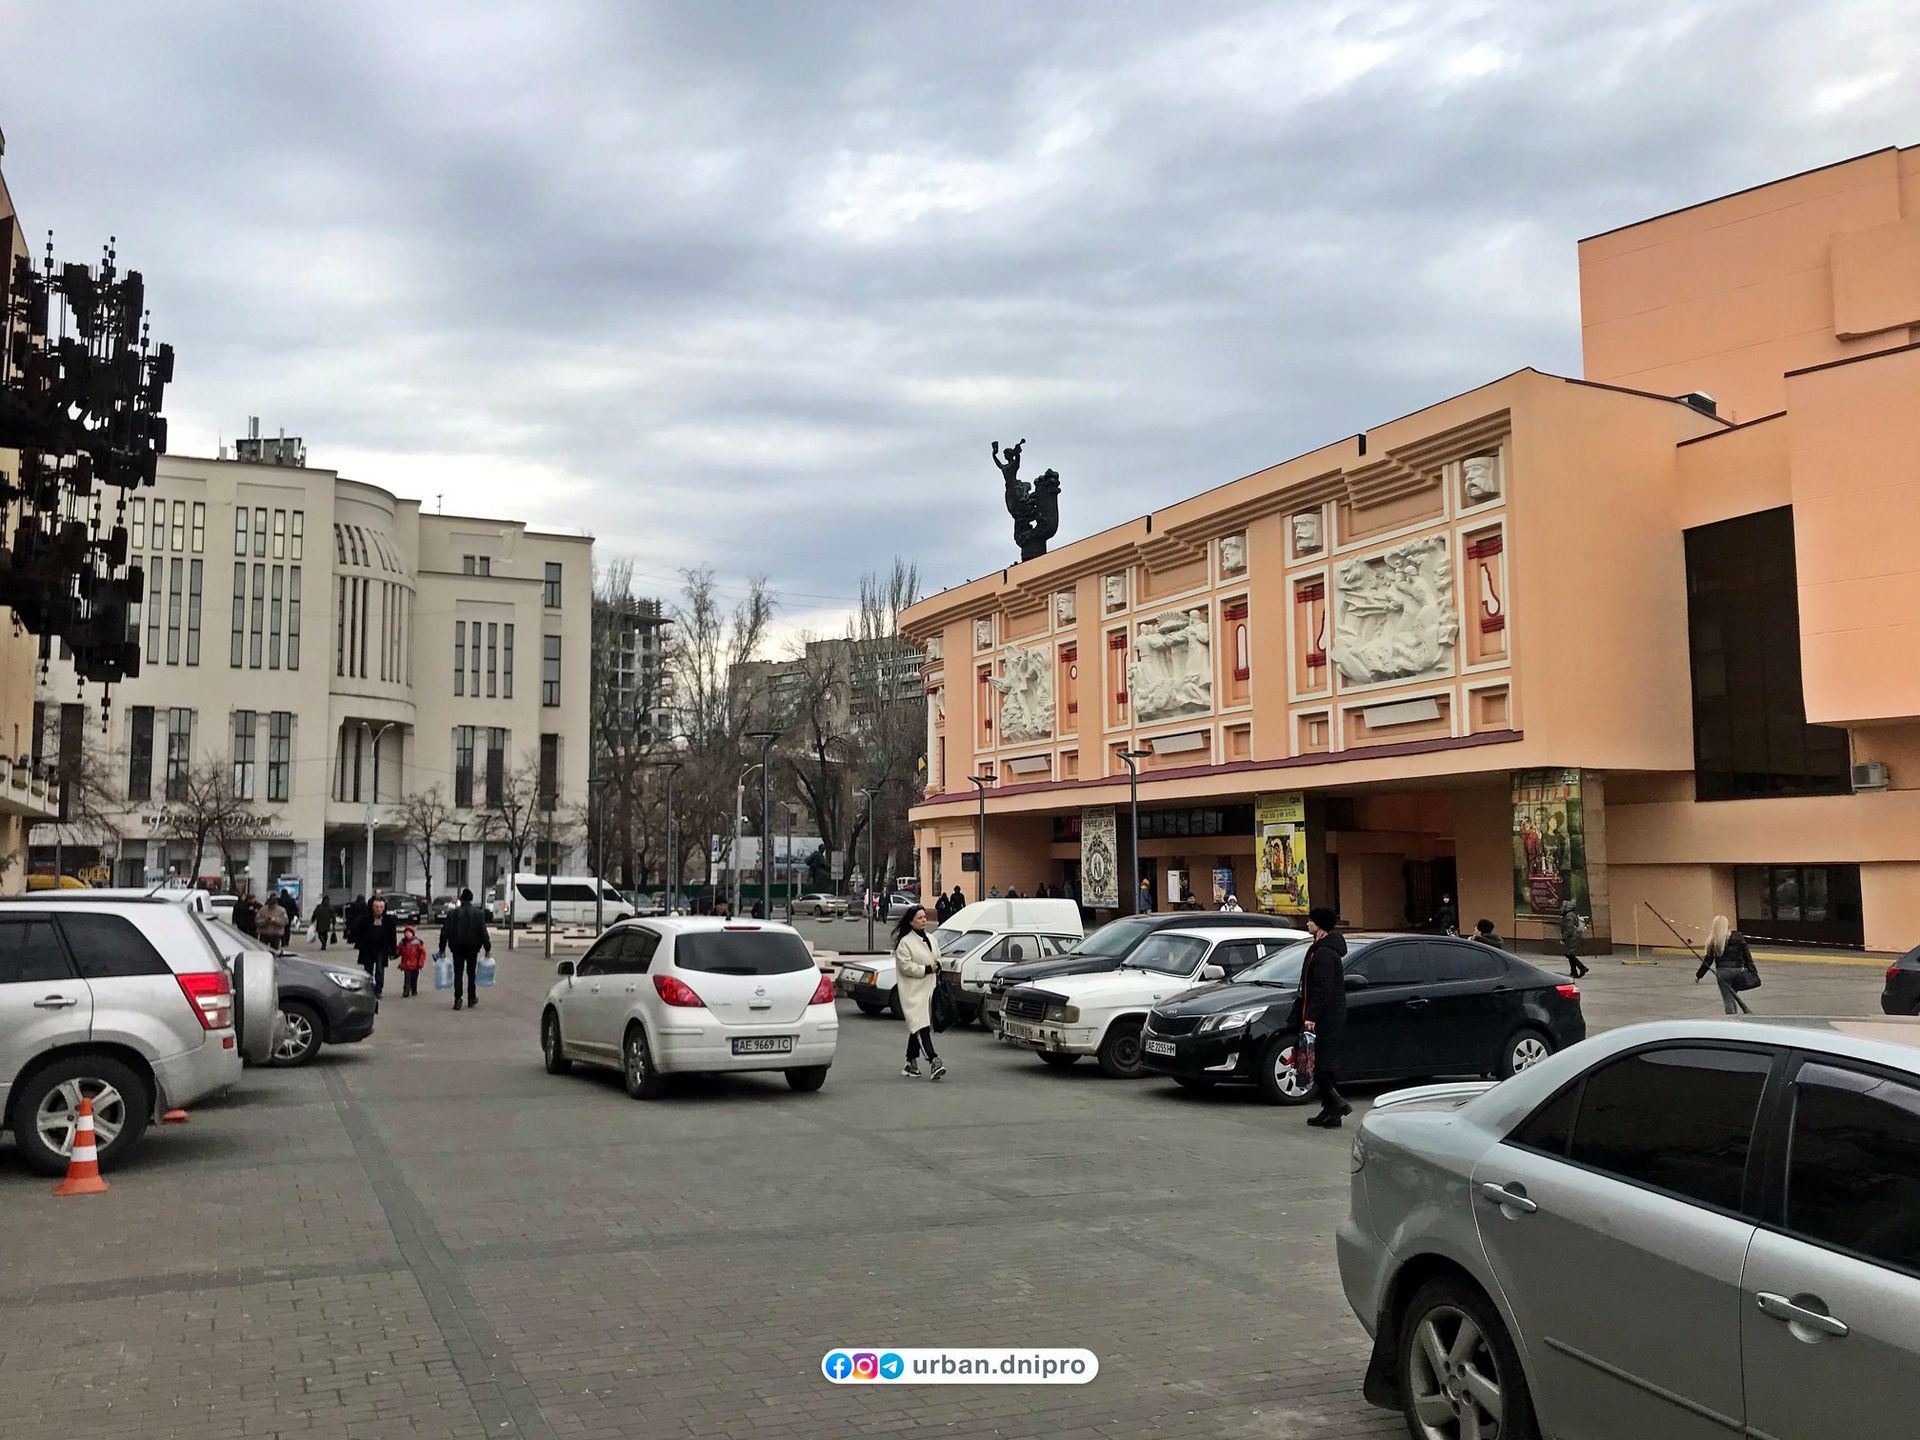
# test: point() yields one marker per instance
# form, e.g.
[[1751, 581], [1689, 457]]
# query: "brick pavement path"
[[427, 1236]]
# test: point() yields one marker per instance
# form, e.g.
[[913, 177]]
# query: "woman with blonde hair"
[[1731, 961]]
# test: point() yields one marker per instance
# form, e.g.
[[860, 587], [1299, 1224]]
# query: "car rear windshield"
[[742, 952], [1167, 954], [1281, 968], [954, 941]]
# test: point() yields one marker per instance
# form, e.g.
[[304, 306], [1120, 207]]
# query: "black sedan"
[[1902, 993], [1417, 1005]]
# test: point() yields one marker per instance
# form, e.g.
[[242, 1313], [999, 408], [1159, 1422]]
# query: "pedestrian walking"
[[356, 916], [956, 902], [1447, 918], [918, 969], [378, 942], [270, 925], [463, 935], [1484, 932], [1145, 899], [245, 915], [1320, 1009], [323, 922], [941, 909], [292, 907], [1731, 960], [413, 959], [1572, 927]]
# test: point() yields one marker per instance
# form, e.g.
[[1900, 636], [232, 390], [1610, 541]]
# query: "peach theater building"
[[1648, 639]]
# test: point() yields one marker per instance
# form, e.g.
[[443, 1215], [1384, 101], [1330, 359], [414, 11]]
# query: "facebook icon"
[[838, 1365]]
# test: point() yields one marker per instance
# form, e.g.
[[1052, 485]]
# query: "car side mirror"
[[1210, 971], [1357, 982], [565, 967]]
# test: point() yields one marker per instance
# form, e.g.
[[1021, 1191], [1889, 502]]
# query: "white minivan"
[[573, 899]]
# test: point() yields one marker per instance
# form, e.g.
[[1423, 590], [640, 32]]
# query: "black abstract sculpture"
[[1035, 508]]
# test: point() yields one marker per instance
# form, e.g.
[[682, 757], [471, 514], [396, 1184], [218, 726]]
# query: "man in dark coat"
[[941, 909], [1322, 1007], [955, 902], [378, 941], [463, 935], [356, 915]]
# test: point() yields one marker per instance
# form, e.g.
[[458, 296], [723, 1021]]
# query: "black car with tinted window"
[[1417, 1005], [1901, 995]]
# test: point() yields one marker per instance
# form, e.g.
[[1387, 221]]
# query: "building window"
[[460, 657], [199, 527], [553, 585], [260, 532], [279, 754], [506, 661], [339, 543], [138, 516], [366, 605], [454, 877], [194, 568], [340, 629], [156, 577], [549, 771], [179, 527], [176, 575], [1750, 732], [236, 656], [279, 534], [493, 659], [244, 728], [179, 752], [140, 754], [257, 618], [496, 764], [240, 530], [274, 612], [476, 565], [293, 616], [473, 663], [463, 766], [550, 670], [297, 537]]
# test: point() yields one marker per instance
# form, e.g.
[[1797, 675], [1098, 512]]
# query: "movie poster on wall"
[[1099, 859], [1280, 853], [1549, 844]]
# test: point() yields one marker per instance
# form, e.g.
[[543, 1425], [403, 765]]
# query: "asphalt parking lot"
[[426, 1235]]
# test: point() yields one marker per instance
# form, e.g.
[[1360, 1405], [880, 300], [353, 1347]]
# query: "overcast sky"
[[754, 285]]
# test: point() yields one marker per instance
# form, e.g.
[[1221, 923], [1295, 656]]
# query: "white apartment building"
[[339, 649]]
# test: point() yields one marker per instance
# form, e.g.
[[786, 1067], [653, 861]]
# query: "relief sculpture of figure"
[[1035, 508], [1172, 671], [1395, 616], [1026, 695]]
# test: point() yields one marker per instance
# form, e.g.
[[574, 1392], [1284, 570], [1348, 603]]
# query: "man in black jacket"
[[1322, 1008], [463, 935]]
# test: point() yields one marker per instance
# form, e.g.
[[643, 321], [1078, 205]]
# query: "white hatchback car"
[[692, 995]]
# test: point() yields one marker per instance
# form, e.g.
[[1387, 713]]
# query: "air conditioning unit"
[[1870, 775]]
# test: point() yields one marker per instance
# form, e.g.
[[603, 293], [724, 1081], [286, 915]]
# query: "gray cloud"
[[754, 284]]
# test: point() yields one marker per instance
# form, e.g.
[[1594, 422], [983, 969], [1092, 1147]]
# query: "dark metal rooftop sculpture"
[[80, 401], [1035, 508]]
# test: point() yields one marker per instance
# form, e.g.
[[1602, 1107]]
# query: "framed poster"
[[1280, 853], [1099, 858], [1549, 844]]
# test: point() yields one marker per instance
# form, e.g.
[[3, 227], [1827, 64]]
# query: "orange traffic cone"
[[83, 1165], [174, 1117]]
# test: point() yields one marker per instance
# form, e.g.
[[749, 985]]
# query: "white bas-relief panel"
[[1480, 479], [1233, 554], [1113, 592], [1026, 694], [934, 647], [1393, 615], [1306, 533], [983, 634], [1063, 608], [1172, 670]]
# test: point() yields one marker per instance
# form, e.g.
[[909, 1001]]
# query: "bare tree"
[[819, 747], [208, 809], [89, 806], [889, 709], [425, 816], [625, 801], [513, 819]]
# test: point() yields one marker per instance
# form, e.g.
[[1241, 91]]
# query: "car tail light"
[[823, 992], [1567, 992], [1892, 971], [675, 991], [211, 997]]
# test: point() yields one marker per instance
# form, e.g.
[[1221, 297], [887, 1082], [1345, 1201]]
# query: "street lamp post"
[[1133, 759], [980, 784], [869, 794], [766, 739], [372, 788], [739, 823], [673, 853]]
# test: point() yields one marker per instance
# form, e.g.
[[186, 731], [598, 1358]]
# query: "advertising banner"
[[1222, 885], [1549, 844], [1099, 858], [1280, 853]]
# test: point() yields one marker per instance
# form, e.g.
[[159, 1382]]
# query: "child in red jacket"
[[413, 958]]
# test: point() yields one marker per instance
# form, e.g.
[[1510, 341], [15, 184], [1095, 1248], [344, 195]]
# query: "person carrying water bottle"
[[464, 936]]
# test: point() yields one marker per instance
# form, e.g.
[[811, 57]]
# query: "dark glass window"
[[140, 754], [1551, 1126], [1750, 731], [1853, 1172], [463, 765], [1679, 1120], [30, 952], [104, 946], [551, 585], [1464, 962], [550, 671], [1395, 964], [742, 952], [496, 764], [549, 770], [1813, 904]]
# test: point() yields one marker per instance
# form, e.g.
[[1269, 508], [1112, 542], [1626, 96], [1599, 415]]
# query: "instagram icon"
[[866, 1365]]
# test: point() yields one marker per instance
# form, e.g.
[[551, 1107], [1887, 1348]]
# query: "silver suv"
[[123, 1001]]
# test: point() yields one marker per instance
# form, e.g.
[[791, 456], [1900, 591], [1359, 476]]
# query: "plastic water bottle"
[[443, 971], [484, 976]]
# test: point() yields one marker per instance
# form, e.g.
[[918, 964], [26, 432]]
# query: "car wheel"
[[1120, 1051], [551, 1050], [644, 1080], [807, 1078], [1057, 1061], [1280, 1083], [989, 1020], [1193, 1082], [893, 1003], [303, 1036], [869, 1007], [1460, 1375], [1524, 1049], [47, 1111], [538, 920]]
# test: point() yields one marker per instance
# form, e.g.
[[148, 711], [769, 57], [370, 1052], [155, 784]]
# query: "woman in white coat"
[[917, 966]]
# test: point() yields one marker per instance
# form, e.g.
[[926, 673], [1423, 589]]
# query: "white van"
[[573, 900]]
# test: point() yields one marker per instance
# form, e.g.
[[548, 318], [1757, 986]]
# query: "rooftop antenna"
[[439, 508]]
